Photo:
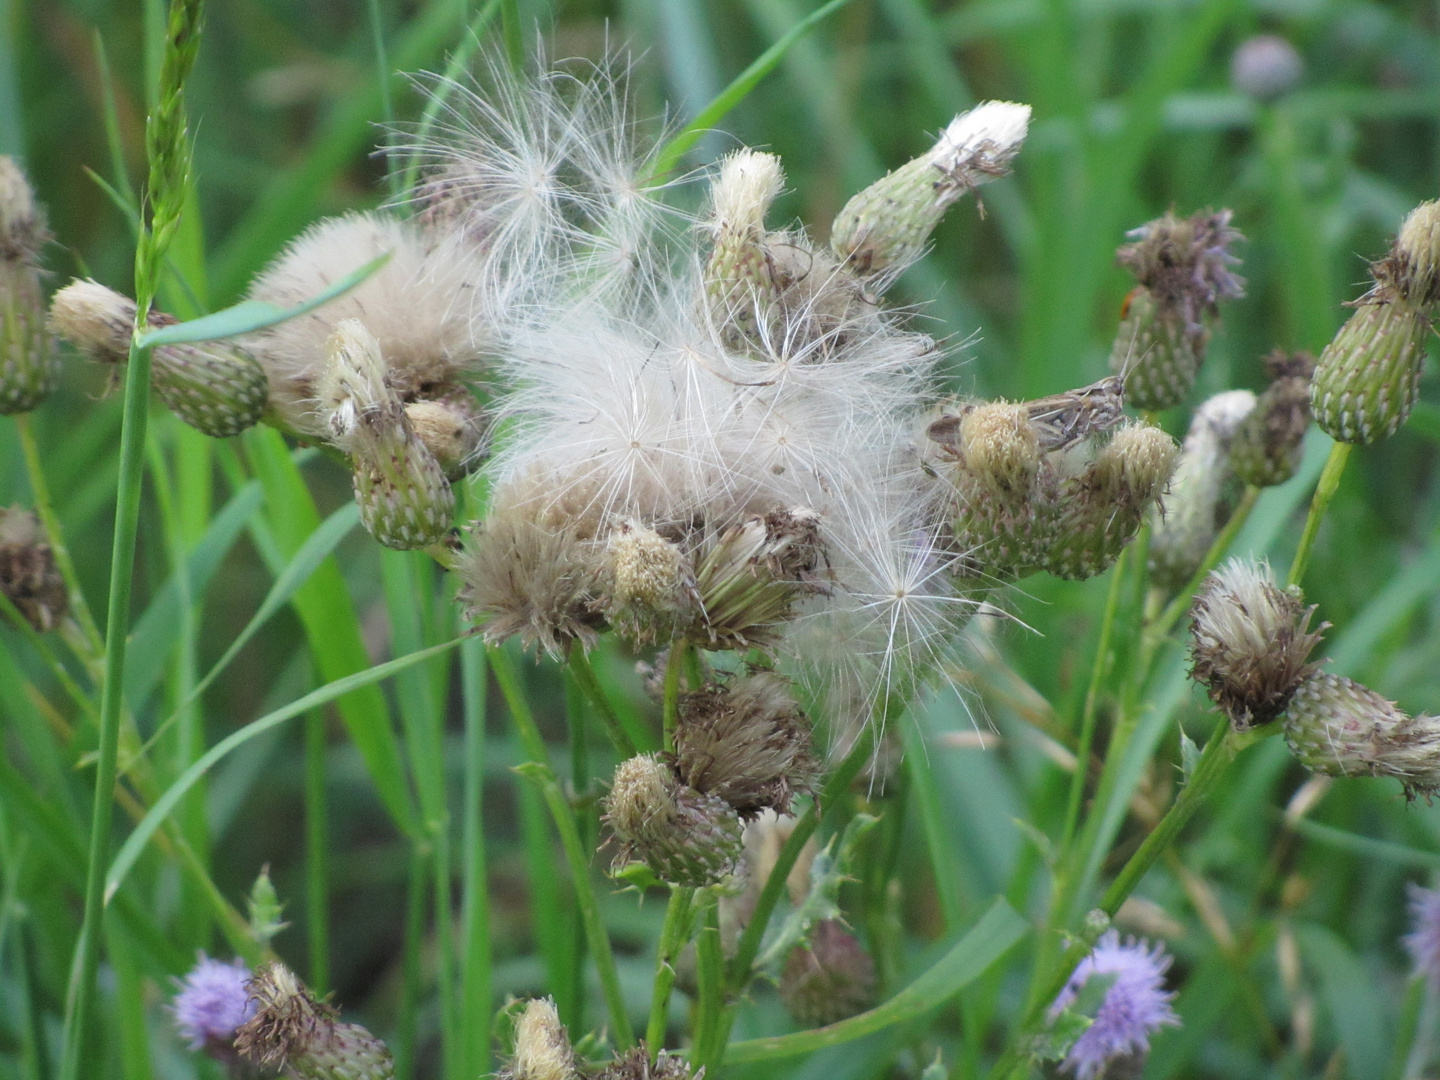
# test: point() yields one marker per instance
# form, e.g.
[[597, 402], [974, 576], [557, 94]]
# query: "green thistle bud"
[[990, 453], [542, 1047], [265, 910], [1338, 727], [1267, 445], [884, 228], [651, 591], [752, 577], [687, 838], [828, 978], [28, 368], [452, 429], [214, 386], [1183, 269], [1197, 507], [1098, 512], [1368, 377], [740, 281], [28, 576], [1251, 642], [405, 500], [292, 1031], [747, 742]]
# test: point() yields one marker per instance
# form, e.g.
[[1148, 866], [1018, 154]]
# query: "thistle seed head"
[[687, 838], [635, 1064], [452, 428], [884, 228], [22, 220], [651, 584], [96, 320], [747, 742], [1251, 642], [1338, 727], [1000, 447], [1196, 507], [28, 366], [740, 281], [1414, 262], [542, 1047], [28, 575], [292, 1031], [827, 978], [1267, 446]]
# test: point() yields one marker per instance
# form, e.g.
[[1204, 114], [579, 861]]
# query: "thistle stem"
[[584, 675], [710, 964], [1324, 492], [673, 934], [1181, 604], [674, 663]]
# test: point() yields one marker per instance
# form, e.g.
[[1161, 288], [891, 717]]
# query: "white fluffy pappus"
[[419, 306]]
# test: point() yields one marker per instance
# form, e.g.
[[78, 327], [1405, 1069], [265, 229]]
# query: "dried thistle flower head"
[[452, 429], [28, 575], [28, 366], [1336, 726], [884, 228], [740, 283], [687, 838], [1099, 511], [214, 386], [419, 306], [292, 1031], [635, 1064], [1368, 377], [1196, 506], [1251, 642], [828, 977], [542, 1047], [405, 500], [1183, 266], [747, 742], [1267, 446], [651, 585]]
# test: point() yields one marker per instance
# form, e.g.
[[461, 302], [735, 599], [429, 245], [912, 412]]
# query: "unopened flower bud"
[[214, 386], [747, 742], [1265, 66], [884, 228], [452, 429], [1368, 377], [1267, 446], [827, 978], [739, 277], [1183, 267], [1099, 511], [28, 576], [1338, 727], [1195, 506], [542, 1048], [1251, 642], [651, 584], [292, 1031], [752, 577], [687, 838], [405, 500], [28, 366]]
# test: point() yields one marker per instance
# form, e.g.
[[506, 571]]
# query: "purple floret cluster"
[[213, 1001], [1136, 1004], [1423, 941]]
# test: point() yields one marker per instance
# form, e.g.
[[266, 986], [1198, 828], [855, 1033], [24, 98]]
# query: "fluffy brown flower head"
[[28, 576], [1251, 642], [418, 306], [22, 220], [1185, 264], [542, 1047], [1267, 446], [1338, 727], [747, 742], [452, 428], [292, 1031], [214, 386], [635, 1064], [752, 577], [686, 837], [828, 978]]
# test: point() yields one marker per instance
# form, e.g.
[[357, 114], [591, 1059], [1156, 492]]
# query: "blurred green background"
[[1135, 112]]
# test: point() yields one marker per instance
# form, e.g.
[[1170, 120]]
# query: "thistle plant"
[[28, 368]]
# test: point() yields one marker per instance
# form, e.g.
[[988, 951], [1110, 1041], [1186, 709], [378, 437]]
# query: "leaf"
[[1351, 998], [251, 315], [988, 940]]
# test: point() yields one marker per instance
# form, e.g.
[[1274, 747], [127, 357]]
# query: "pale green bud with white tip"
[[405, 500], [884, 228], [740, 284], [687, 838]]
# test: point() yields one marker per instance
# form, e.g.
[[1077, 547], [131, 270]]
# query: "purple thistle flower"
[[1423, 941], [213, 1001], [1136, 1004]]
